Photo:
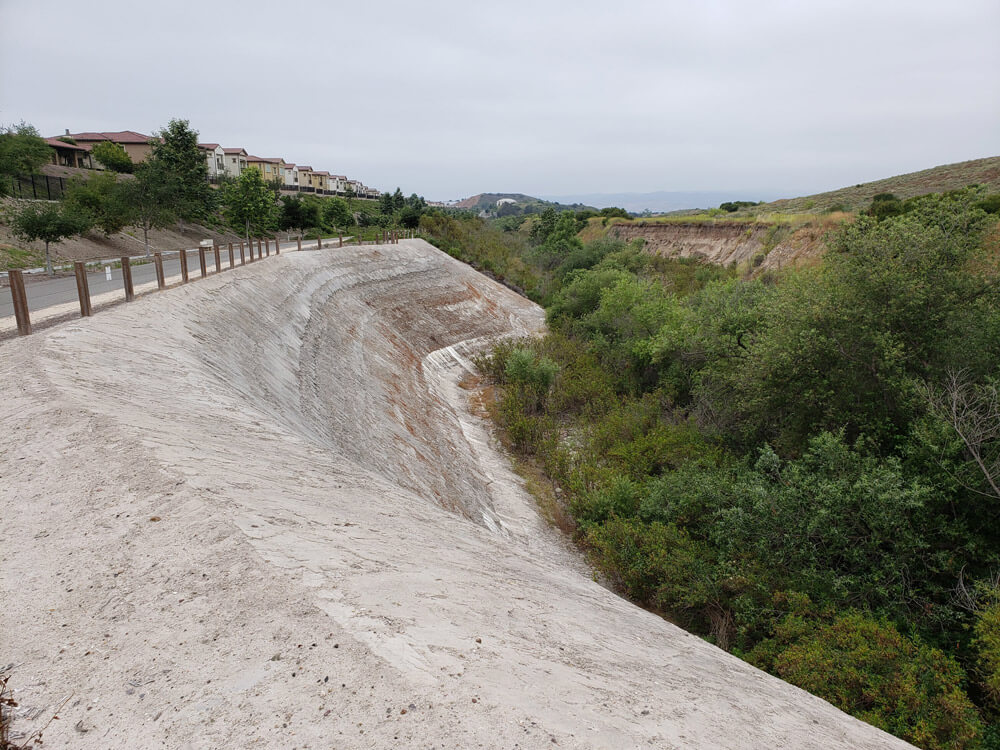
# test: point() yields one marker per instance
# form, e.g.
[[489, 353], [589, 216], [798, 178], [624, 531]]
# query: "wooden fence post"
[[201, 261], [127, 279], [161, 282], [184, 266], [298, 241], [277, 246], [83, 288], [243, 257], [20, 302], [218, 262], [341, 238], [267, 247], [232, 259]]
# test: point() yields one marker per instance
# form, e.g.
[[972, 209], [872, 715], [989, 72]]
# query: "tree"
[[149, 199], [175, 154], [350, 194], [249, 204], [113, 156], [103, 199], [337, 214], [48, 222], [972, 410], [296, 213], [385, 204], [22, 151], [398, 201]]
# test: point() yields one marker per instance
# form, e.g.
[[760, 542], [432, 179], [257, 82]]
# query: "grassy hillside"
[[935, 180]]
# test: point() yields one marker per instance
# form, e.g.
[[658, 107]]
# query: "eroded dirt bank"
[[254, 512], [729, 243]]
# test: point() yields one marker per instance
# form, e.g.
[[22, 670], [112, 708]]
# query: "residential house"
[[215, 158], [235, 161], [291, 177], [320, 180], [355, 187], [136, 145], [269, 167], [69, 154], [338, 184], [305, 179]]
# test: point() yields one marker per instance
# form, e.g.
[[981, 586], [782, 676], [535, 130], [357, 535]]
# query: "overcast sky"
[[448, 99]]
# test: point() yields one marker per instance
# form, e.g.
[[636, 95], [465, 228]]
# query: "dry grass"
[[7, 704], [858, 197]]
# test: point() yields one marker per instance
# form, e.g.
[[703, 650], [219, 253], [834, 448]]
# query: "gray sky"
[[448, 99]]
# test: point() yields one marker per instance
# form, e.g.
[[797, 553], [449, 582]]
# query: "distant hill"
[[507, 204], [934, 180]]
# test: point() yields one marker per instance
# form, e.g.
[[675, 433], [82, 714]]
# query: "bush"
[[987, 643], [866, 667], [532, 375]]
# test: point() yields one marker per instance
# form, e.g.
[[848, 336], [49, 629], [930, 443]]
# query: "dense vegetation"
[[803, 468]]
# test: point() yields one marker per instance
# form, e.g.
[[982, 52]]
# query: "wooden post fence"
[[127, 279], [232, 259], [201, 261], [243, 256], [161, 281], [218, 262], [341, 238], [20, 302], [184, 266], [83, 288], [298, 241]]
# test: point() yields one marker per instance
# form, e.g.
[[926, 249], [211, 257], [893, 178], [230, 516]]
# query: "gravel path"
[[256, 512]]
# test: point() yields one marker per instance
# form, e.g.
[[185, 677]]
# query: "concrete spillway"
[[256, 512]]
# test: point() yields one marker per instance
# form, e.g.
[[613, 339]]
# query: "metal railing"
[[37, 186], [248, 253]]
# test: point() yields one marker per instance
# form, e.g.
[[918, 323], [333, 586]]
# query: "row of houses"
[[222, 162]]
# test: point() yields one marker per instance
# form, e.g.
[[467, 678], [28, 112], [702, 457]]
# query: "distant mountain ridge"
[[985, 171], [488, 201]]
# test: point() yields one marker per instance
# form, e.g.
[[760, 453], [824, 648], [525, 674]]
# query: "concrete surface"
[[256, 512]]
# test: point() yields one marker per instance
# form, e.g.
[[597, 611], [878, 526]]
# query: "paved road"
[[58, 291]]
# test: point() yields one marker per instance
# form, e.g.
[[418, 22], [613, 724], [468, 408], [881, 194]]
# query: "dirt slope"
[[255, 512], [730, 243]]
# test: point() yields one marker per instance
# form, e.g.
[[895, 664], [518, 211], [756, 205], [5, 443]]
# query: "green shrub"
[[867, 668], [532, 375], [987, 644]]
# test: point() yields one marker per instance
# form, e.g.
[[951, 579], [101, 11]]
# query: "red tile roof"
[[56, 143], [209, 146], [120, 136], [235, 151]]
